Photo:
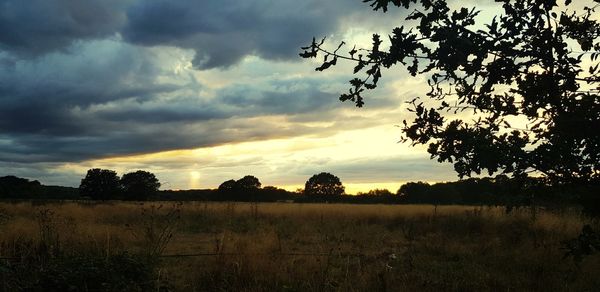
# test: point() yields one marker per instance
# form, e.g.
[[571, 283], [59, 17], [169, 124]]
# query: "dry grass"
[[303, 247]]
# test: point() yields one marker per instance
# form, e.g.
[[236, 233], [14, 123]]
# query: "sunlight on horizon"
[[285, 163]]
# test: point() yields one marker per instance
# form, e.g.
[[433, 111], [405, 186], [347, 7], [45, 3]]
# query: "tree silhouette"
[[248, 183], [376, 192], [227, 186], [100, 184], [139, 185], [324, 184], [244, 189], [16, 187], [529, 77]]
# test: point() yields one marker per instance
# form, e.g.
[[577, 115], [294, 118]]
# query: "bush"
[[84, 272]]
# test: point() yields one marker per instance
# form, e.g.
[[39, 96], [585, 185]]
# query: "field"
[[288, 247]]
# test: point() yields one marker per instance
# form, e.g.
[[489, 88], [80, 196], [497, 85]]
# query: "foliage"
[[85, 272], [589, 198], [499, 190], [586, 244], [376, 192], [248, 182], [529, 78], [156, 227], [228, 186], [100, 184], [139, 185], [244, 189], [299, 247], [323, 184], [54, 262], [12, 186]]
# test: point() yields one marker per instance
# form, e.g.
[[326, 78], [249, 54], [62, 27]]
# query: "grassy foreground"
[[287, 247]]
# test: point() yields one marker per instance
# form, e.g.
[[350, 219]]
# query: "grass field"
[[288, 247]]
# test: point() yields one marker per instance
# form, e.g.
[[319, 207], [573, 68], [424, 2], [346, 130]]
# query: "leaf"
[[594, 68], [359, 67], [324, 66], [352, 52]]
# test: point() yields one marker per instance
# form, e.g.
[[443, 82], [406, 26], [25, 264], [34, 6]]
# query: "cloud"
[[46, 173], [35, 27], [42, 96], [114, 99], [222, 32], [88, 80]]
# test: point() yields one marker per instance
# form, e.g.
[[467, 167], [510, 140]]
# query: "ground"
[[285, 246]]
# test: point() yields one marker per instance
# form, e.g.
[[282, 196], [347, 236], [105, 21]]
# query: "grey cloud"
[[112, 99], [42, 96], [222, 32], [138, 139], [290, 97], [71, 91], [35, 27], [46, 173]]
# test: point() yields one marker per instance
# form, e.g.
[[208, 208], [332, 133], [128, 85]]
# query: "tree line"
[[105, 184]]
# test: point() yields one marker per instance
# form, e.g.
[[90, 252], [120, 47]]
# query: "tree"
[[376, 192], [414, 189], [16, 187], [243, 189], [100, 184], [324, 184], [529, 77], [248, 183], [228, 186], [139, 185]]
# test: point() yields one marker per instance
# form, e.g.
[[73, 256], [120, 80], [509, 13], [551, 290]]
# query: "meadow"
[[198, 246]]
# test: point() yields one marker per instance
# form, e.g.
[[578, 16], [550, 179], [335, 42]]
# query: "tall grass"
[[277, 246]]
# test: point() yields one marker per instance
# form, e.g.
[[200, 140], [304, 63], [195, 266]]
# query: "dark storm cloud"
[[224, 31], [221, 32], [134, 138], [291, 97], [86, 79], [43, 95], [35, 27], [118, 99]]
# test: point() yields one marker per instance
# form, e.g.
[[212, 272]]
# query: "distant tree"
[[272, 194], [100, 184], [414, 190], [324, 184], [526, 81], [228, 186], [248, 183], [377, 192], [139, 185], [16, 187], [244, 189], [228, 190]]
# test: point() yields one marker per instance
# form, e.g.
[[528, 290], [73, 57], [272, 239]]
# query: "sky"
[[199, 92]]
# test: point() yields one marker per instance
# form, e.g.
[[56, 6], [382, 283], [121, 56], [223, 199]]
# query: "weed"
[[156, 227]]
